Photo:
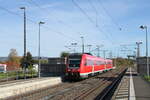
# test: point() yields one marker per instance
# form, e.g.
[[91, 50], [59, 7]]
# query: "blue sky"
[[65, 24]]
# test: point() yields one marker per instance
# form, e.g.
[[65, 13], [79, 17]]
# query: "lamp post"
[[82, 38], [39, 56], [147, 59]]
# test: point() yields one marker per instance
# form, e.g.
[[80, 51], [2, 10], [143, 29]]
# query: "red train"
[[85, 65]]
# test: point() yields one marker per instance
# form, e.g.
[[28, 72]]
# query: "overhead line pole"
[[104, 53], [24, 9], [98, 49], [138, 48], [24, 63], [82, 38]]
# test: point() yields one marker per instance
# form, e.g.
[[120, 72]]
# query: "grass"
[[17, 74], [147, 78]]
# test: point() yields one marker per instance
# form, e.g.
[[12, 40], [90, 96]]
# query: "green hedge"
[[18, 74], [147, 78]]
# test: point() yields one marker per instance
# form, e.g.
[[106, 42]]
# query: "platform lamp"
[[147, 59], [39, 49]]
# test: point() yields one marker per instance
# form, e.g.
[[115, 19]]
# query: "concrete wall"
[[18, 88], [142, 65]]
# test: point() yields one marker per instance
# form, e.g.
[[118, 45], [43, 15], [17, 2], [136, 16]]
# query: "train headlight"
[[69, 70]]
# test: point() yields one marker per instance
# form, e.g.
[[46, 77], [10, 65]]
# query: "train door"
[[105, 64], [93, 69]]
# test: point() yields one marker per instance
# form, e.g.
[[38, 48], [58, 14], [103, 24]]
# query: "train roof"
[[88, 55], [72, 54]]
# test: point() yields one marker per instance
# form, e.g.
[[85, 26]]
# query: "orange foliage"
[[12, 65]]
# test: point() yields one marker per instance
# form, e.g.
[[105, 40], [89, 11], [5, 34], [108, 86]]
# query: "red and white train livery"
[[85, 65]]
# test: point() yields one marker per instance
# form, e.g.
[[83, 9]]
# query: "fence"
[[142, 65], [17, 74], [53, 69]]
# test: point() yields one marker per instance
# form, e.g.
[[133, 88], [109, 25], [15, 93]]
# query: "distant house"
[[35, 67], [3, 68]]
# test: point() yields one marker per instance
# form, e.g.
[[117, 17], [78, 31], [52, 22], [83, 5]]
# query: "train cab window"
[[74, 62]]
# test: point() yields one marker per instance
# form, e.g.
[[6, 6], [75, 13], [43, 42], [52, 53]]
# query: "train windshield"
[[74, 62]]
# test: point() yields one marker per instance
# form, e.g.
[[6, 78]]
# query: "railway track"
[[122, 91], [83, 90], [102, 90]]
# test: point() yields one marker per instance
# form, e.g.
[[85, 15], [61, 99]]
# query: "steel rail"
[[98, 86], [108, 91]]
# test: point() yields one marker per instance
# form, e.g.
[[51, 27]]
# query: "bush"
[[147, 78]]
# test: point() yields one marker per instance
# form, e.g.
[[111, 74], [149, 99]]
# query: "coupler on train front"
[[73, 76]]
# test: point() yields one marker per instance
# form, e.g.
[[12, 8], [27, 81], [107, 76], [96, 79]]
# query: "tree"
[[13, 60], [123, 62], [64, 54], [12, 55], [27, 61]]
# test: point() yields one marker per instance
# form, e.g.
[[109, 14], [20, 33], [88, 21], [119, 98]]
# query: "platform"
[[26, 86], [141, 87], [132, 87]]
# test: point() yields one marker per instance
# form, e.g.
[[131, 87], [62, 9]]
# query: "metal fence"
[[53, 69], [17, 74], [142, 65]]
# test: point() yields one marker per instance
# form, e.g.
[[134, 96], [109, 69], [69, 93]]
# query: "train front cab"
[[73, 67]]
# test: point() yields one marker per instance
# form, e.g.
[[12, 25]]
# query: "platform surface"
[[132, 87], [26, 86], [141, 87]]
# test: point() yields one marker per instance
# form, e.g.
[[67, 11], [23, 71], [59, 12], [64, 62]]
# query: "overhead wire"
[[96, 12], [89, 18], [32, 2], [60, 21], [58, 32], [94, 8], [106, 11]]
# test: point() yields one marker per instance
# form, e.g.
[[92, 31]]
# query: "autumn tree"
[[13, 60]]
